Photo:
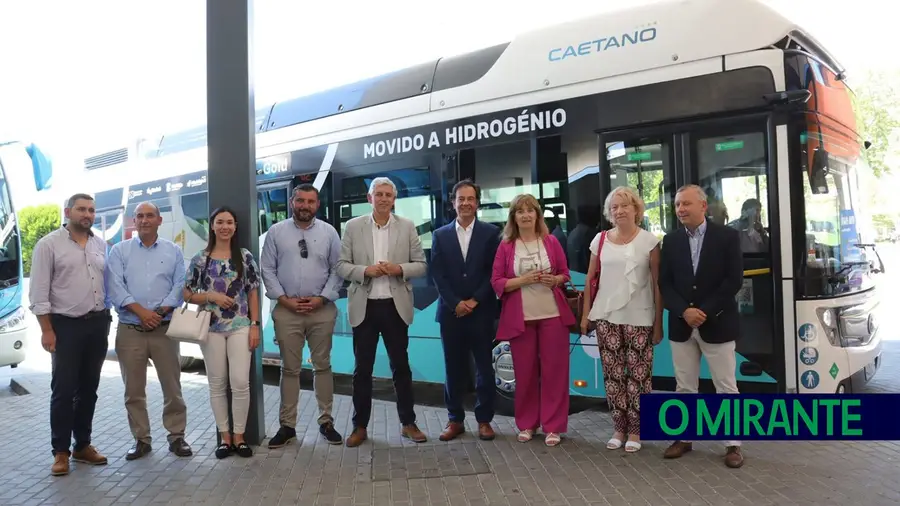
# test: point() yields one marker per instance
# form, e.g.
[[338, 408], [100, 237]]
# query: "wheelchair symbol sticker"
[[807, 332], [810, 379], [809, 356]]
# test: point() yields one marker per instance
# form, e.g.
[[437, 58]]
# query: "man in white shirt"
[[462, 259], [380, 253]]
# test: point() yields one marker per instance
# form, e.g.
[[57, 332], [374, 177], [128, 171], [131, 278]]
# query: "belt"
[[87, 316], [138, 328]]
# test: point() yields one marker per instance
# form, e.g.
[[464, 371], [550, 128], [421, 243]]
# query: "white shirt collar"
[[464, 229], [388, 224]]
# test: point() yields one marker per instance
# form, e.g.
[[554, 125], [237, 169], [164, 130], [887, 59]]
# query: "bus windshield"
[[835, 221], [9, 238]]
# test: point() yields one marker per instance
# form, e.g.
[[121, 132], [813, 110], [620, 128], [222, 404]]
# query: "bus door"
[[730, 159]]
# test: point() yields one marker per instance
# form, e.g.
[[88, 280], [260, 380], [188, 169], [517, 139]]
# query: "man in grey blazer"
[[380, 253]]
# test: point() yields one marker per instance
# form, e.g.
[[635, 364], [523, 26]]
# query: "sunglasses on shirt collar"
[[304, 251]]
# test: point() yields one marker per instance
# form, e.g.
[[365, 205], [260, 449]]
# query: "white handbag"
[[189, 325]]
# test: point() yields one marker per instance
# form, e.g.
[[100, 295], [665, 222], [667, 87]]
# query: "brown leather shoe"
[[733, 457], [357, 437], [60, 465], [677, 449], [453, 431], [89, 455], [412, 432], [485, 432]]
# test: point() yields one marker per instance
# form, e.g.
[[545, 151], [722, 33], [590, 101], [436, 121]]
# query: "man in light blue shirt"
[[298, 269], [145, 275]]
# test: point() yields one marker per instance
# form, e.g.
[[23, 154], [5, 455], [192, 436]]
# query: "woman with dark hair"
[[224, 280]]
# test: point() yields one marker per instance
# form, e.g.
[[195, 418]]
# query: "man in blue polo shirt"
[[145, 278]]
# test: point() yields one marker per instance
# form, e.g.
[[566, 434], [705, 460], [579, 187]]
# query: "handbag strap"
[[599, 251], [200, 282], [205, 270]]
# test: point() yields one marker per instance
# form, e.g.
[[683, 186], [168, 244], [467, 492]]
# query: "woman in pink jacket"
[[530, 271]]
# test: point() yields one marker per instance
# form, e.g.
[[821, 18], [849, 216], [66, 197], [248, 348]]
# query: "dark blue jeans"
[[81, 346]]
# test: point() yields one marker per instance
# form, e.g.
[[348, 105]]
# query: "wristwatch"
[[254, 323]]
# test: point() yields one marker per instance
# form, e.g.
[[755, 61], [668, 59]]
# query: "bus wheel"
[[842, 387], [504, 379]]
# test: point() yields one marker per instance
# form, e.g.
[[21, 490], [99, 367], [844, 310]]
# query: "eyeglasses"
[[304, 251]]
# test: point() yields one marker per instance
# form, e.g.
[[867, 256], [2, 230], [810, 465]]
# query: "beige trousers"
[[133, 349], [292, 331], [720, 358], [227, 357]]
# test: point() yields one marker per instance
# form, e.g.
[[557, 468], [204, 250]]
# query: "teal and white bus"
[[741, 101]]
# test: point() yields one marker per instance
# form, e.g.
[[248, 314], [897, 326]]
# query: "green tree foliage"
[[878, 117], [884, 222], [36, 222]]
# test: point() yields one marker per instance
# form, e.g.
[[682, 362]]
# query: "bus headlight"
[[827, 316], [829, 324], [14, 321]]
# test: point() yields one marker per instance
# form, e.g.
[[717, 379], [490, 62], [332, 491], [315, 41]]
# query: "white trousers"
[[228, 355], [720, 358]]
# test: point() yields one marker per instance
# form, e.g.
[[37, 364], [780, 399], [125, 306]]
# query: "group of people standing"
[[75, 284], [493, 284], [695, 275]]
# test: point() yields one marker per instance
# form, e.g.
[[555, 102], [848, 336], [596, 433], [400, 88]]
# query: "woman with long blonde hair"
[[627, 311], [530, 271]]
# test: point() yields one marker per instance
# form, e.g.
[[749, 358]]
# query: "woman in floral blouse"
[[229, 289]]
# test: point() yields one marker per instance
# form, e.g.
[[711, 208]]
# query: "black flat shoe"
[[243, 450], [224, 450]]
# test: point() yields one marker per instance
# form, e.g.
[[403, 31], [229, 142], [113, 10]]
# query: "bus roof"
[[634, 39]]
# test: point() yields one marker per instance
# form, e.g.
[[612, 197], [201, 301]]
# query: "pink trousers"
[[541, 365]]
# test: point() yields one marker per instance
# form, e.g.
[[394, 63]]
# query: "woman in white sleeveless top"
[[627, 311]]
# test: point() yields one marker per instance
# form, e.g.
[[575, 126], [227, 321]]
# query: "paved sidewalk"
[[390, 471]]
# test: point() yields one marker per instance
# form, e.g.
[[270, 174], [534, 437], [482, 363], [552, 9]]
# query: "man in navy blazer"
[[700, 273], [462, 258]]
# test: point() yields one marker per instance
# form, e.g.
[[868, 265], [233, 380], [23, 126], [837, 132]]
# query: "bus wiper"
[[880, 269], [839, 277]]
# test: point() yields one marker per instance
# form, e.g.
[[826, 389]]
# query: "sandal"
[[525, 435], [552, 439], [614, 444], [632, 446]]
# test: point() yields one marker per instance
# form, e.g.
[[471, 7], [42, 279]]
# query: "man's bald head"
[[147, 219], [146, 207]]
